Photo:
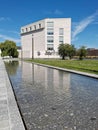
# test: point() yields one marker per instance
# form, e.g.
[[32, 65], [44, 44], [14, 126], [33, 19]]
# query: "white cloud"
[[4, 37], [5, 19], [82, 25], [75, 39]]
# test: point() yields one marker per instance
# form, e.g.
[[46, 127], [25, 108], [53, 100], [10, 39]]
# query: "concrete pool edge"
[[13, 120], [68, 70]]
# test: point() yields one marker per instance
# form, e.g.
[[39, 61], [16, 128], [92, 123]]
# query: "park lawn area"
[[90, 66]]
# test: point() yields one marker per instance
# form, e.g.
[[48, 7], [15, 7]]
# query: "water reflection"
[[12, 66], [49, 78], [55, 100]]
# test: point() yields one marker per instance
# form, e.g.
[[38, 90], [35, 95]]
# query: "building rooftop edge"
[[42, 20]]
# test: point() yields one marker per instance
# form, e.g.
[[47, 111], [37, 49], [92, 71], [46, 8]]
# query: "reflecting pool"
[[50, 99]]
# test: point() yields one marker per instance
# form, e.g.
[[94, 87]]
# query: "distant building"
[[41, 39], [92, 52]]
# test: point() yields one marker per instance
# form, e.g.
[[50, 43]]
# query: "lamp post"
[[32, 46]]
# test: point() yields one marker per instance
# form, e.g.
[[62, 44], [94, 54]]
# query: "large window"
[[50, 47], [35, 27], [61, 39], [50, 39], [26, 29], [50, 24], [30, 28], [22, 30], [50, 31], [61, 35], [61, 31], [39, 25]]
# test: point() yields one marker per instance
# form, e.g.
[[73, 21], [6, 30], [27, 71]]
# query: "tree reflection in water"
[[12, 67]]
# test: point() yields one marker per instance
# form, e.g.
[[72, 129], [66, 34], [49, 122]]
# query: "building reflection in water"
[[47, 77]]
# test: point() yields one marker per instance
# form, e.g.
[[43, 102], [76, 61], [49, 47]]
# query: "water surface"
[[50, 99]]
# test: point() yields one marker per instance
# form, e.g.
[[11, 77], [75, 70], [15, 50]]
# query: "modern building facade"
[[41, 39]]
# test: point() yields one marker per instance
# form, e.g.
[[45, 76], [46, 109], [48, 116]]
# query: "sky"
[[84, 15]]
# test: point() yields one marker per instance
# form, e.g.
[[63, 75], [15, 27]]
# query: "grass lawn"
[[90, 66]]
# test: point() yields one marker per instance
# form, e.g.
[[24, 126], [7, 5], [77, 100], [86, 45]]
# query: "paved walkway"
[[10, 118]]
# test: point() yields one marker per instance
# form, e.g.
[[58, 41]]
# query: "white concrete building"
[[41, 39]]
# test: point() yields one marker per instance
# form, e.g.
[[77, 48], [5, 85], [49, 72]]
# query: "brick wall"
[[93, 52]]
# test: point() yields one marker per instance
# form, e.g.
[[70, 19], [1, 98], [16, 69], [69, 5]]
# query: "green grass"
[[90, 66]]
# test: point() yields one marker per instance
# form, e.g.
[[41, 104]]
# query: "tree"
[[71, 50], [66, 50], [9, 48], [82, 52], [62, 51]]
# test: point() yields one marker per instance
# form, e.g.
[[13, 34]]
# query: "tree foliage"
[[9, 48], [82, 52], [66, 50], [71, 50], [62, 51], [12, 67]]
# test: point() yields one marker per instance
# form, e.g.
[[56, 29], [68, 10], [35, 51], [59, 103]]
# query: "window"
[[61, 39], [26, 29], [50, 31], [22, 30], [50, 47], [50, 39], [39, 25], [30, 28], [61, 31], [50, 24], [35, 27]]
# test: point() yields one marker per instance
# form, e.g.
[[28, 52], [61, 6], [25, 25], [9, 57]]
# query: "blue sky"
[[84, 14]]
